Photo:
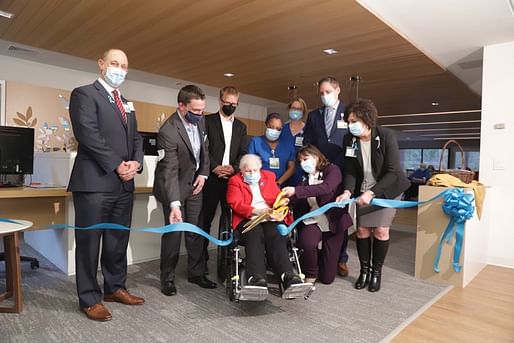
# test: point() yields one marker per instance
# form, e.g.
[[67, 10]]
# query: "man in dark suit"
[[325, 129], [110, 152], [227, 138], [180, 175]]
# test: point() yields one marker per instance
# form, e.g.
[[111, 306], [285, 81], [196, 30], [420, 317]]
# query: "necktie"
[[329, 120], [120, 106]]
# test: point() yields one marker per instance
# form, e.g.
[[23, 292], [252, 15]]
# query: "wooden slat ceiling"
[[268, 45]]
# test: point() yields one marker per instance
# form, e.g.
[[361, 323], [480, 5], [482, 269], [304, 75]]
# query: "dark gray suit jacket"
[[385, 165], [104, 140], [176, 172]]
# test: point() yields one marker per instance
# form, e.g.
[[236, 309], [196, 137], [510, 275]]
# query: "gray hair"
[[250, 159]]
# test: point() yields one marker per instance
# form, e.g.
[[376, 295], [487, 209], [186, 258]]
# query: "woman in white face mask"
[[277, 155], [371, 169], [320, 185], [251, 193], [293, 132]]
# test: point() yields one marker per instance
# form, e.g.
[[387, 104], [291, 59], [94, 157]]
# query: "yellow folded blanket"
[[447, 180]]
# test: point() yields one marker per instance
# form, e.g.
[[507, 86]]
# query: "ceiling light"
[[228, 75], [435, 103], [5, 14], [330, 51]]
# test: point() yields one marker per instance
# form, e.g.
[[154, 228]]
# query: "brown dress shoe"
[[122, 296], [342, 269], [97, 312]]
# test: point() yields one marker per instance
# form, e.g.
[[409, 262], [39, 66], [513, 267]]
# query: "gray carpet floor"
[[334, 313]]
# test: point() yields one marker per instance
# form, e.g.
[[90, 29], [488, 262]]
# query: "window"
[[410, 158], [472, 160], [432, 156]]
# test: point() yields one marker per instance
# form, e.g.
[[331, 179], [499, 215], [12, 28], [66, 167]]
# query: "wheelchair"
[[232, 273]]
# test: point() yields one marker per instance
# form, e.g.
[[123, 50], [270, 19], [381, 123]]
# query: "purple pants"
[[320, 264]]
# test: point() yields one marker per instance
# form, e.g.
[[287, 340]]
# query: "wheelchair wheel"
[[222, 262], [231, 283]]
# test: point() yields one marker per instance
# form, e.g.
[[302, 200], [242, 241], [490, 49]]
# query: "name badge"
[[128, 108], [274, 163], [350, 152], [298, 141], [341, 124]]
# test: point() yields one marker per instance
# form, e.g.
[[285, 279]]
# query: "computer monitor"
[[16, 150], [149, 143]]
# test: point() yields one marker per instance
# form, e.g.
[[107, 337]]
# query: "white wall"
[[496, 156], [41, 74]]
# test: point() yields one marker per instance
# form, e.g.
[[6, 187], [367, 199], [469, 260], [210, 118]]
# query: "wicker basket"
[[464, 175]]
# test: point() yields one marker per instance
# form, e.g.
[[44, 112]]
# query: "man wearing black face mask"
[[180, 175], [227, 144]]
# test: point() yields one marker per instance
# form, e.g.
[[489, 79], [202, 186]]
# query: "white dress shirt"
[[227, 123]]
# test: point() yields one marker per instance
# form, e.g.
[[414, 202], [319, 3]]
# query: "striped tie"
[[120, 106]]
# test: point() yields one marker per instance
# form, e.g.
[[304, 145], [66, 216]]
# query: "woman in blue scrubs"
[[277, 155]]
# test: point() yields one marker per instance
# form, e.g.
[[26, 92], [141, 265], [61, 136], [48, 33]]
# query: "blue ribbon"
[[389, 203], [178, 227], [458, 205]]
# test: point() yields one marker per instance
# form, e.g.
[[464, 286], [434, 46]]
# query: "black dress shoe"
[[257, 280], [202, 281], [290, 278], [168, 288]]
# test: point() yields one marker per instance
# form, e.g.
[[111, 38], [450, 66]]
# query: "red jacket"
[[239, 196]]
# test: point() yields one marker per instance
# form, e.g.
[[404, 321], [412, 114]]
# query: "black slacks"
[[262, 239], [170, 242], [96, 208], [214, 192]]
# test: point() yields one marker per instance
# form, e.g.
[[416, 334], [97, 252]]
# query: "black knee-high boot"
[[364, 251], [379, 254]]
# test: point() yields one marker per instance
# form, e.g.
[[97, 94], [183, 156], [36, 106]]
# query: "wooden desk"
[[10, 233], [42, 206], [47, 206]]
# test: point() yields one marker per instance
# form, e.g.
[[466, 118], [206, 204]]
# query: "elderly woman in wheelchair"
[[252, 195]]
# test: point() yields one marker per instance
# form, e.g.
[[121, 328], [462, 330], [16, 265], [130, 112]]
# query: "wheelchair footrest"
[[253, 293], [298, 290]]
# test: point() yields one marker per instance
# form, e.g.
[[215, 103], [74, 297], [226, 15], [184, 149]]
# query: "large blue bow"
[[458, 205]]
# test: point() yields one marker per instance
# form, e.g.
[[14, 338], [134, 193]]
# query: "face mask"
[[308, 165], [329, 99], [272, 134], [228, 109], [193, 118], [295, 115], [252, 179], [356, 128], [115, 76]]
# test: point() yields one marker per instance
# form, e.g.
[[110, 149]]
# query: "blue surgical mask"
[[193, 118], [272, 134], [308, 165], [252, 179], [329, 99], [356, 128], [115, 76], [295, 114]]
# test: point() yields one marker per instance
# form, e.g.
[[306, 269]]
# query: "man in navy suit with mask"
[[325, 129], [109, 154]]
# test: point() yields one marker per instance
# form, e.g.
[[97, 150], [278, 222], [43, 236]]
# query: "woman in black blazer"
[[371, 169]]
